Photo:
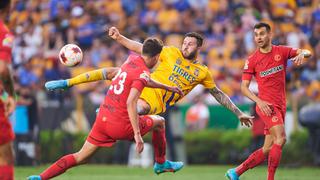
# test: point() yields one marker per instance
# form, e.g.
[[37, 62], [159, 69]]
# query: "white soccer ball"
[[70, 55]]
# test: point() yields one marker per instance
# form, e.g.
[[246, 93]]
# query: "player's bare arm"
[[7, 81], [154, 84], [302, 54], [263, 105], [135, 46], [133, 116], [224, 100], [90, 76]]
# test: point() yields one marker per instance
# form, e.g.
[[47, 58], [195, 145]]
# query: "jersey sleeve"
[[289, 52], [208, 81], [141, 81], [248, 70], [6, 43]]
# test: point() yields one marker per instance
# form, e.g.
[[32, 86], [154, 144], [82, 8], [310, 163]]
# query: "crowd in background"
[[42, 27]]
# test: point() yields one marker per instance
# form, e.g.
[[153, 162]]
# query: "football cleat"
[[34, 177], [232, 174], [167, 166], [57, 84]]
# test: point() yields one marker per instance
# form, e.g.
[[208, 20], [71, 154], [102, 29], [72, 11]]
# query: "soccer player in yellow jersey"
[[177, 67]]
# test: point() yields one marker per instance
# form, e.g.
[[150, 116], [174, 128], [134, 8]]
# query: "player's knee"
[[281, 140], [6, 158], [159, 122], [266, 149]]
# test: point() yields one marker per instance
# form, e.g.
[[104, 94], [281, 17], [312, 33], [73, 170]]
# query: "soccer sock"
[[59, 167], [252, 161], [95, 75], [274, 160], [159, 145], [6, 172]]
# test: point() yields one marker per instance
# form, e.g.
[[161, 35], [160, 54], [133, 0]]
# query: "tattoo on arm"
[[224, 100]]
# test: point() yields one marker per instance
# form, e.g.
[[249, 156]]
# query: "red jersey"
[[269, 69], [6, 42], [132, 74]]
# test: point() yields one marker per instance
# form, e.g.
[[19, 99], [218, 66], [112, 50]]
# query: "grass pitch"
[[102, 172]]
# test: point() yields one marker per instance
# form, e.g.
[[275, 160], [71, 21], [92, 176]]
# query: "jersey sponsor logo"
[[8, 41], [271, 71], [184, 73], [246, 65], [277, 57], [145, 76]]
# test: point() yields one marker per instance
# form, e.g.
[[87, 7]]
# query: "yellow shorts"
[[153, 97]]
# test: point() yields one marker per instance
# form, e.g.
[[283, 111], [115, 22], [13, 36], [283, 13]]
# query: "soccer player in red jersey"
[[7, 105], [268, 65], [118, 118]]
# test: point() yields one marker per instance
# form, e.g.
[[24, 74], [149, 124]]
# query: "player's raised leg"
[[159, 144], [253, 160], [275, 153], [67, 162], [6, 161]]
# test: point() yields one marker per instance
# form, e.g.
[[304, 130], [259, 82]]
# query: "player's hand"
[[10, 105], [139, 142], [245, 119], [264, 106], [175, 90], [299, 59], [114, 33]]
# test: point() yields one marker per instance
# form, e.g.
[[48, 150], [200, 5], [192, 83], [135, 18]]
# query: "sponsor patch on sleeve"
[[8, 41], [145, 76]]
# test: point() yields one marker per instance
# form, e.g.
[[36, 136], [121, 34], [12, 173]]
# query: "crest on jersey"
[[246, 65], [275, 119], [145, 76], [178, 61], [277, 57], [196, 72], [8, 41]]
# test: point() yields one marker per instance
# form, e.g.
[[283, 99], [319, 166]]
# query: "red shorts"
[[276, 118], [106, 132], [6, 132]]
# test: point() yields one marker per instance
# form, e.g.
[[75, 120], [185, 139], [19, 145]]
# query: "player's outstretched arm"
[[155, 84], [224, 100], [90, 76], [135, 46], [7, 82], [134, 118], [302, 54]]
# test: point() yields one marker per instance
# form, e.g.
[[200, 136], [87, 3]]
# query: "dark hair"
[[196, 35], [152, 47], [4, 4], [262, 24]]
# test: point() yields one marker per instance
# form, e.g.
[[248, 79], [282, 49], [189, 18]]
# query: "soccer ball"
[[70, 55]]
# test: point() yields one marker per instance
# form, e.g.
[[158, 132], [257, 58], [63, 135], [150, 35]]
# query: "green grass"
[[102, 172]]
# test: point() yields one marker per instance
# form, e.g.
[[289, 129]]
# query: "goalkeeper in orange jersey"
[[177, 67]]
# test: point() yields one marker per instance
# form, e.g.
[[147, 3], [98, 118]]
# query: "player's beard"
[[192, 55]]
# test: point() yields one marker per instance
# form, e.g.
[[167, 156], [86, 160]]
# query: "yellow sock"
[[90, 76]]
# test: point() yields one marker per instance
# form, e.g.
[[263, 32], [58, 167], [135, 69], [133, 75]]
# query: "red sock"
[[252, 161], [159, 145], [274, 160], [6, 172], [59, 167]]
